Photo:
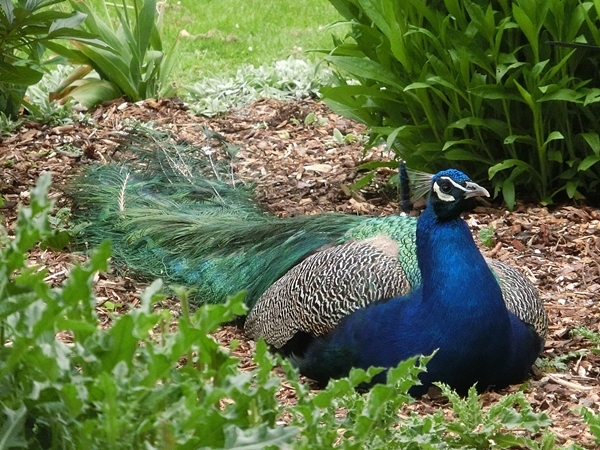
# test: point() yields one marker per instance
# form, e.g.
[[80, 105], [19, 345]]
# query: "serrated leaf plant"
[[118, 387], [507, 90]]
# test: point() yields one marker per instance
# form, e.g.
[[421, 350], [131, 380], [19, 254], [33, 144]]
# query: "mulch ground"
[[301, 169]]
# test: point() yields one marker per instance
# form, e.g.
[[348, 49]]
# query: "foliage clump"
[[508, 90], [27, 29]]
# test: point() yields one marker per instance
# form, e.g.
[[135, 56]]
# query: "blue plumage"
[[458, 310]]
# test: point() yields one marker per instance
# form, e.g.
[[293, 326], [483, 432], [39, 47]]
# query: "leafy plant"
[[285, 80], [487, 86], [8, 125], [134, 65], [593, 421], [473, 427], [559, 362], [487, 236], [27, 29], [104, 388], [592, 336]]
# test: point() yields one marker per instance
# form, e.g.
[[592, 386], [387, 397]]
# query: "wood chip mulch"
[[302, 169]]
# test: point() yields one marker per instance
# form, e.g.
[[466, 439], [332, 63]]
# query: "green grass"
[[225, 34]]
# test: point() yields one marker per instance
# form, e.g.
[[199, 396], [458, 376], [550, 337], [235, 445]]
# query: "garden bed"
[[300, 166]]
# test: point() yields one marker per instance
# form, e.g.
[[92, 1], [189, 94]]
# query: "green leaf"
[[571, 188], [372, 165], [12, 433], [19, 75], [555, 155], [555, 135], [258, 438], [67, 23], [565, 95], [113, 68], [516, 138], [91, 92], [593, 140], [508, 193], [8, 8], [457, 154], [507, 164], [373, 10], [364, 181], [527, 97], [592, 96], [365, 68], [495, 92], [588, 162]]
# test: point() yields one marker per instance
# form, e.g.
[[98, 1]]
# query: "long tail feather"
[[167, 219]]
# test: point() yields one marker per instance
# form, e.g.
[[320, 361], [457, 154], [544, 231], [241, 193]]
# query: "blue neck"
[[446, 251]]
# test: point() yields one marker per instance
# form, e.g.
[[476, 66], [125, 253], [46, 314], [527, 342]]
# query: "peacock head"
[[452, 193]]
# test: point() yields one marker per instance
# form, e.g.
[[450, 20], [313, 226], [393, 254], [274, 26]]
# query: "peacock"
[[332, 291]]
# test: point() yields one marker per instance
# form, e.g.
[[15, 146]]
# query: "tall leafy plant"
[[503, 89], [27, 29], [135, 65]]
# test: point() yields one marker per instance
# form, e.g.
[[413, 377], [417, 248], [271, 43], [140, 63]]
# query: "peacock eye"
[[446, 188]]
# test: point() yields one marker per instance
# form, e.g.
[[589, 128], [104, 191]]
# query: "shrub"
[[502, 89], [135, 65], [27, 29]]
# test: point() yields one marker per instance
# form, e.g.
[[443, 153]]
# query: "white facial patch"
[[443, 196]]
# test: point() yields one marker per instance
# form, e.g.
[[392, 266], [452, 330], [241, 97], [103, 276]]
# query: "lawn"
[[218, 36]]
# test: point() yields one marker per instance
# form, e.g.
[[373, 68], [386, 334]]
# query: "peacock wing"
[[520, 296], [327, 286]]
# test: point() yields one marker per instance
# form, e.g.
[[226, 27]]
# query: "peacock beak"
[[474, 190]]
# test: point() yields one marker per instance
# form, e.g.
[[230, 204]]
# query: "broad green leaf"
[[507, 164], [91, 92], [555, 135], [588, 162], [417, 85], [591, 96], [69, 22], [144, 27], [363, 181], [499, 127], [593, 140], [495, 92], [372, 9], [365, 68], [450, 144], [114, 68], [377, 164], [464, 155], [19, 75], [516, 138], [508, 193], [566, 95], [555, 155], [525, 95], [8, 10], [572, 186]]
